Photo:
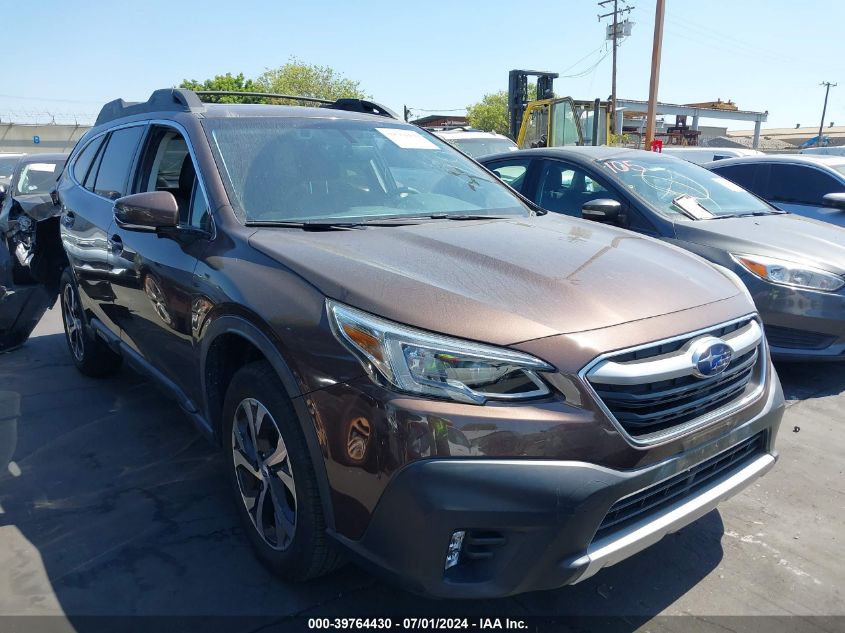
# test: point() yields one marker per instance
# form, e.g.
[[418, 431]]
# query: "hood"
[[791, 237], [499, 281]]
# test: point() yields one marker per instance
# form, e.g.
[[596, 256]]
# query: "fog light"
[[453, 555]]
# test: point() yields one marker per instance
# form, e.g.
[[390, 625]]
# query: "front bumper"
[[531, 524], [801, 325]]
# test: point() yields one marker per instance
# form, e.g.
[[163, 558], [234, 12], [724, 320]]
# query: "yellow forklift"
[[550, 121]]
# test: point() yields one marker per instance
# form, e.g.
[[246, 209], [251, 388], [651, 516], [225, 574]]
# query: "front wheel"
[[89, 353], [272, 476]]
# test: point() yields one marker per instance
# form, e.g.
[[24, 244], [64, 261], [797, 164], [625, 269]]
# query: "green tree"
[[491, 113], [229, 82], [293, 78], [308, 80]]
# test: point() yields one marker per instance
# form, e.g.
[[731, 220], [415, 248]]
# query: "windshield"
[[675, 187], [477, 147], [290, 169], [39, 178]]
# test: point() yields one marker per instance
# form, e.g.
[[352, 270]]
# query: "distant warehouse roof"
[[794, 136]]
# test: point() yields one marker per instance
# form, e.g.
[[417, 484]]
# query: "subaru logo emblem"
[[710, 357]]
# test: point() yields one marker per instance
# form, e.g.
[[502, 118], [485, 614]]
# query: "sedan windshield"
[[675, 187], [291, 169], [39, 178]]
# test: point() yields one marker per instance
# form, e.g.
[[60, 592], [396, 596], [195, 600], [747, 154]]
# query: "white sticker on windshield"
[[406, 139], [727, 184], [48, 167]]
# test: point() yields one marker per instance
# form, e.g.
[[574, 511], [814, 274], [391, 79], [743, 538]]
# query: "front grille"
[[652, 407], [797, 339], [653, 498]]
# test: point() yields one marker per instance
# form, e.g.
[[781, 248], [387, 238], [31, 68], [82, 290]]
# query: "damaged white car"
[[31, 256]]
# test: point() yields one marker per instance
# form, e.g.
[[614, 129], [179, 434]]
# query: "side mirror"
[[835, 200], [602, 210], [147, 211]]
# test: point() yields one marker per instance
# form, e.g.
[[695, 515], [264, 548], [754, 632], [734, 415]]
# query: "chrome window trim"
[[146, 123], [662, 437]]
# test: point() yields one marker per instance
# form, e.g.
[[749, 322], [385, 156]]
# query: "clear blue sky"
[[70, 57]]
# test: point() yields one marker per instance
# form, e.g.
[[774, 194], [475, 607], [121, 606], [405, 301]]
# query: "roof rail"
[[183, 100], [164, 100], [259, 95], [349, 104], [362, 105]]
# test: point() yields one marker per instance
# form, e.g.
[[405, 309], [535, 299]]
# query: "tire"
[[275, 487], [91, 355]]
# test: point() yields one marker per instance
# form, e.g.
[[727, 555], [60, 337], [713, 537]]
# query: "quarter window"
[[113, 174], [85, 159]]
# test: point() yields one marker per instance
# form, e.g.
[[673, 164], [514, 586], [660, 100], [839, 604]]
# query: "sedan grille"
[[797, 339], [653, 498], [656, 389]]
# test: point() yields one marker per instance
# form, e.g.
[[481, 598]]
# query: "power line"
[[615, 36]]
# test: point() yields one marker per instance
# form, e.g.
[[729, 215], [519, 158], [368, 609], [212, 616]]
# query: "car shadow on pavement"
[[112, 504], [803, 381]]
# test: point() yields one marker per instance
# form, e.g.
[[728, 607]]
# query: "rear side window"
[[83, 162], [113, 174], [746, 176], [802, 185]]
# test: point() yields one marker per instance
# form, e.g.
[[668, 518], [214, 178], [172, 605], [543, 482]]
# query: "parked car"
[[30, 251], [7, 167], [793, 266], [812, 186], [476, 143], [701, 155], [838, 150], [400, 357]]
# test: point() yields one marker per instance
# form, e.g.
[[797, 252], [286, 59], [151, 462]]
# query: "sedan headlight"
[[786, 273], [429, 364]]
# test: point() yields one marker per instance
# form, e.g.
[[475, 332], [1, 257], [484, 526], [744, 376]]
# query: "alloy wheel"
[[264, 474], [73, 322]]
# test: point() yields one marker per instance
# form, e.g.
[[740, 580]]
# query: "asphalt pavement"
[[111, 504]]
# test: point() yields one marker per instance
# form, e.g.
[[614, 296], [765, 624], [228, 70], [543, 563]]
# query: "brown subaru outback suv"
[[405, 362]]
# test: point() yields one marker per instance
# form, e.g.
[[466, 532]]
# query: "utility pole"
[[827, 88], [655, 72], [614, 35]]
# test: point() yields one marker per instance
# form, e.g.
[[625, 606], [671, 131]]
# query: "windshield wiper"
[[328, 225], [454, 216], [751, 214], [307, 226]]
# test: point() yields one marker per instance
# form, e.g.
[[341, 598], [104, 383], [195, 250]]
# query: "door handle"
[[115, 245], [68, 218]]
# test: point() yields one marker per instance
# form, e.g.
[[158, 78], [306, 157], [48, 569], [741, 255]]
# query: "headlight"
[[787, 273], [429, 364]]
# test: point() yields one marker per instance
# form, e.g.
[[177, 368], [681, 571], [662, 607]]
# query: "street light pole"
[[655, 72], [827, 86]]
